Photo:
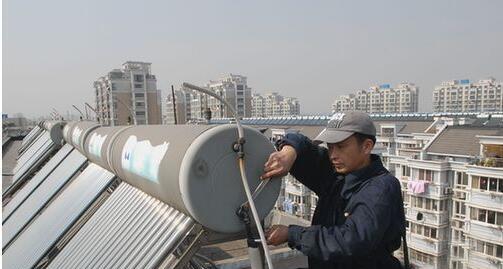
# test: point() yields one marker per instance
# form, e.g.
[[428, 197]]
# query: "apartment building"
[[179, 102], [466, 96], [452, 216], [274, 105], [234, 89], [380, 99], [128, 95]]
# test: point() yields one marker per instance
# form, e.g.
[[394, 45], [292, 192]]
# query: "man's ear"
[[368, 145]]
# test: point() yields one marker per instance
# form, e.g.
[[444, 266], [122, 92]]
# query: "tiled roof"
[[461, 140]]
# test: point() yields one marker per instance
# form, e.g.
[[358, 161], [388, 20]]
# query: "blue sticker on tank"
[[143, 159]]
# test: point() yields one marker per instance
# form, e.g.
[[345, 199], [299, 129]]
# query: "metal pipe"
[[81, 114], [174, 102], [242, 169]]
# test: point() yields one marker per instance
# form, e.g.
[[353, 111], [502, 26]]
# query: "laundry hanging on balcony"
[[417, 186]]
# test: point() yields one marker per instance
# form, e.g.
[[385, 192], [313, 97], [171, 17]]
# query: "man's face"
[[349, 155]]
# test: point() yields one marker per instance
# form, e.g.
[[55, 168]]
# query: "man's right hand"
[[279, 163]]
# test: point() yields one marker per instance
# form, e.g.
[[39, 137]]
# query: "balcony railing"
[[489, 162], [484, 230], [427, 245], [486, 198], [429, 217]]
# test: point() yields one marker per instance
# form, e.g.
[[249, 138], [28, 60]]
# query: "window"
[[486, 248], [424, 230], [425, 175], [138, 86], [491, 217], [141, 95], [487, 216], [433, 233], [482, 215], [493, 182], [487, 183], [427, 204], [461, 178], [483, 183], [140, 113], [405, 171], [138, 78], [420, 256]]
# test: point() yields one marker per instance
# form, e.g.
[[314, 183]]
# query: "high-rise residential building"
[[234, 89], [486, 95], [380, 99], [181, 104], [193, 104], [128, 95], [274, 105]]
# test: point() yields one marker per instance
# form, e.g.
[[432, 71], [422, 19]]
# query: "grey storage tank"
[[55, 129], [190, 167]]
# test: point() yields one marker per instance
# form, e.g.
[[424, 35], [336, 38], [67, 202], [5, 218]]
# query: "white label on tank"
[[76, 135], [95, 144], [143, 159]]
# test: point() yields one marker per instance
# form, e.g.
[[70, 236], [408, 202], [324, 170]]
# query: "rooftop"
[[461, 140]]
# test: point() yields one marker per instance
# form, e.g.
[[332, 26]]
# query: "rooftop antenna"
[[81, 114], [91, 108], [174, 103], [57, 113], [87, 113]]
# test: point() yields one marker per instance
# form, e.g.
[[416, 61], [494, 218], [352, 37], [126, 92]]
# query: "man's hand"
[[279, 163], [277, 235]]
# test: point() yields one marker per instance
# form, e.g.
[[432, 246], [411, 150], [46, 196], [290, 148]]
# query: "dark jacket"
[[359, 218]]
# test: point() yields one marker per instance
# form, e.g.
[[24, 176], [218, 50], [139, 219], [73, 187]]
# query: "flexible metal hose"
[[242, 171]]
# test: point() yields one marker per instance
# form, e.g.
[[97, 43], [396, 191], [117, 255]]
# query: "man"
[[359, 218]]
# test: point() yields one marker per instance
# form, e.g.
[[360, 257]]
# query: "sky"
[[54, 50]]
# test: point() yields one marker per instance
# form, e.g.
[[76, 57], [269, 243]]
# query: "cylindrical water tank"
[[190, 167], [55, 129], [76, 132]]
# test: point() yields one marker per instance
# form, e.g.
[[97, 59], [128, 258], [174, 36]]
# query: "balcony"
[[408, 152], [490, 162], [479, 260], [485, 199], [427, 245], [431, 190], [428, 218], [484, 230]]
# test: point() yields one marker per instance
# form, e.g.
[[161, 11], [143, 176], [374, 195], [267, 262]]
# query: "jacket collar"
[[354, 179]]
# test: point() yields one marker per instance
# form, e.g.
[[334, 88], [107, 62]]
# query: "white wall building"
[[128, 93], [274, 105], [380, 99], [486, 95], [234, 89]]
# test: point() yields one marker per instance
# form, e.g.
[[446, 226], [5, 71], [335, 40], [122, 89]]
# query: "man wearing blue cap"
[[359, 219]]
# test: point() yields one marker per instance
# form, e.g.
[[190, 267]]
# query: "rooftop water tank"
[[55, 129], [190, 167]]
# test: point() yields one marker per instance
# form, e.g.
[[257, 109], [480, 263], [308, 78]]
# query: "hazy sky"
[[54, 50]]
